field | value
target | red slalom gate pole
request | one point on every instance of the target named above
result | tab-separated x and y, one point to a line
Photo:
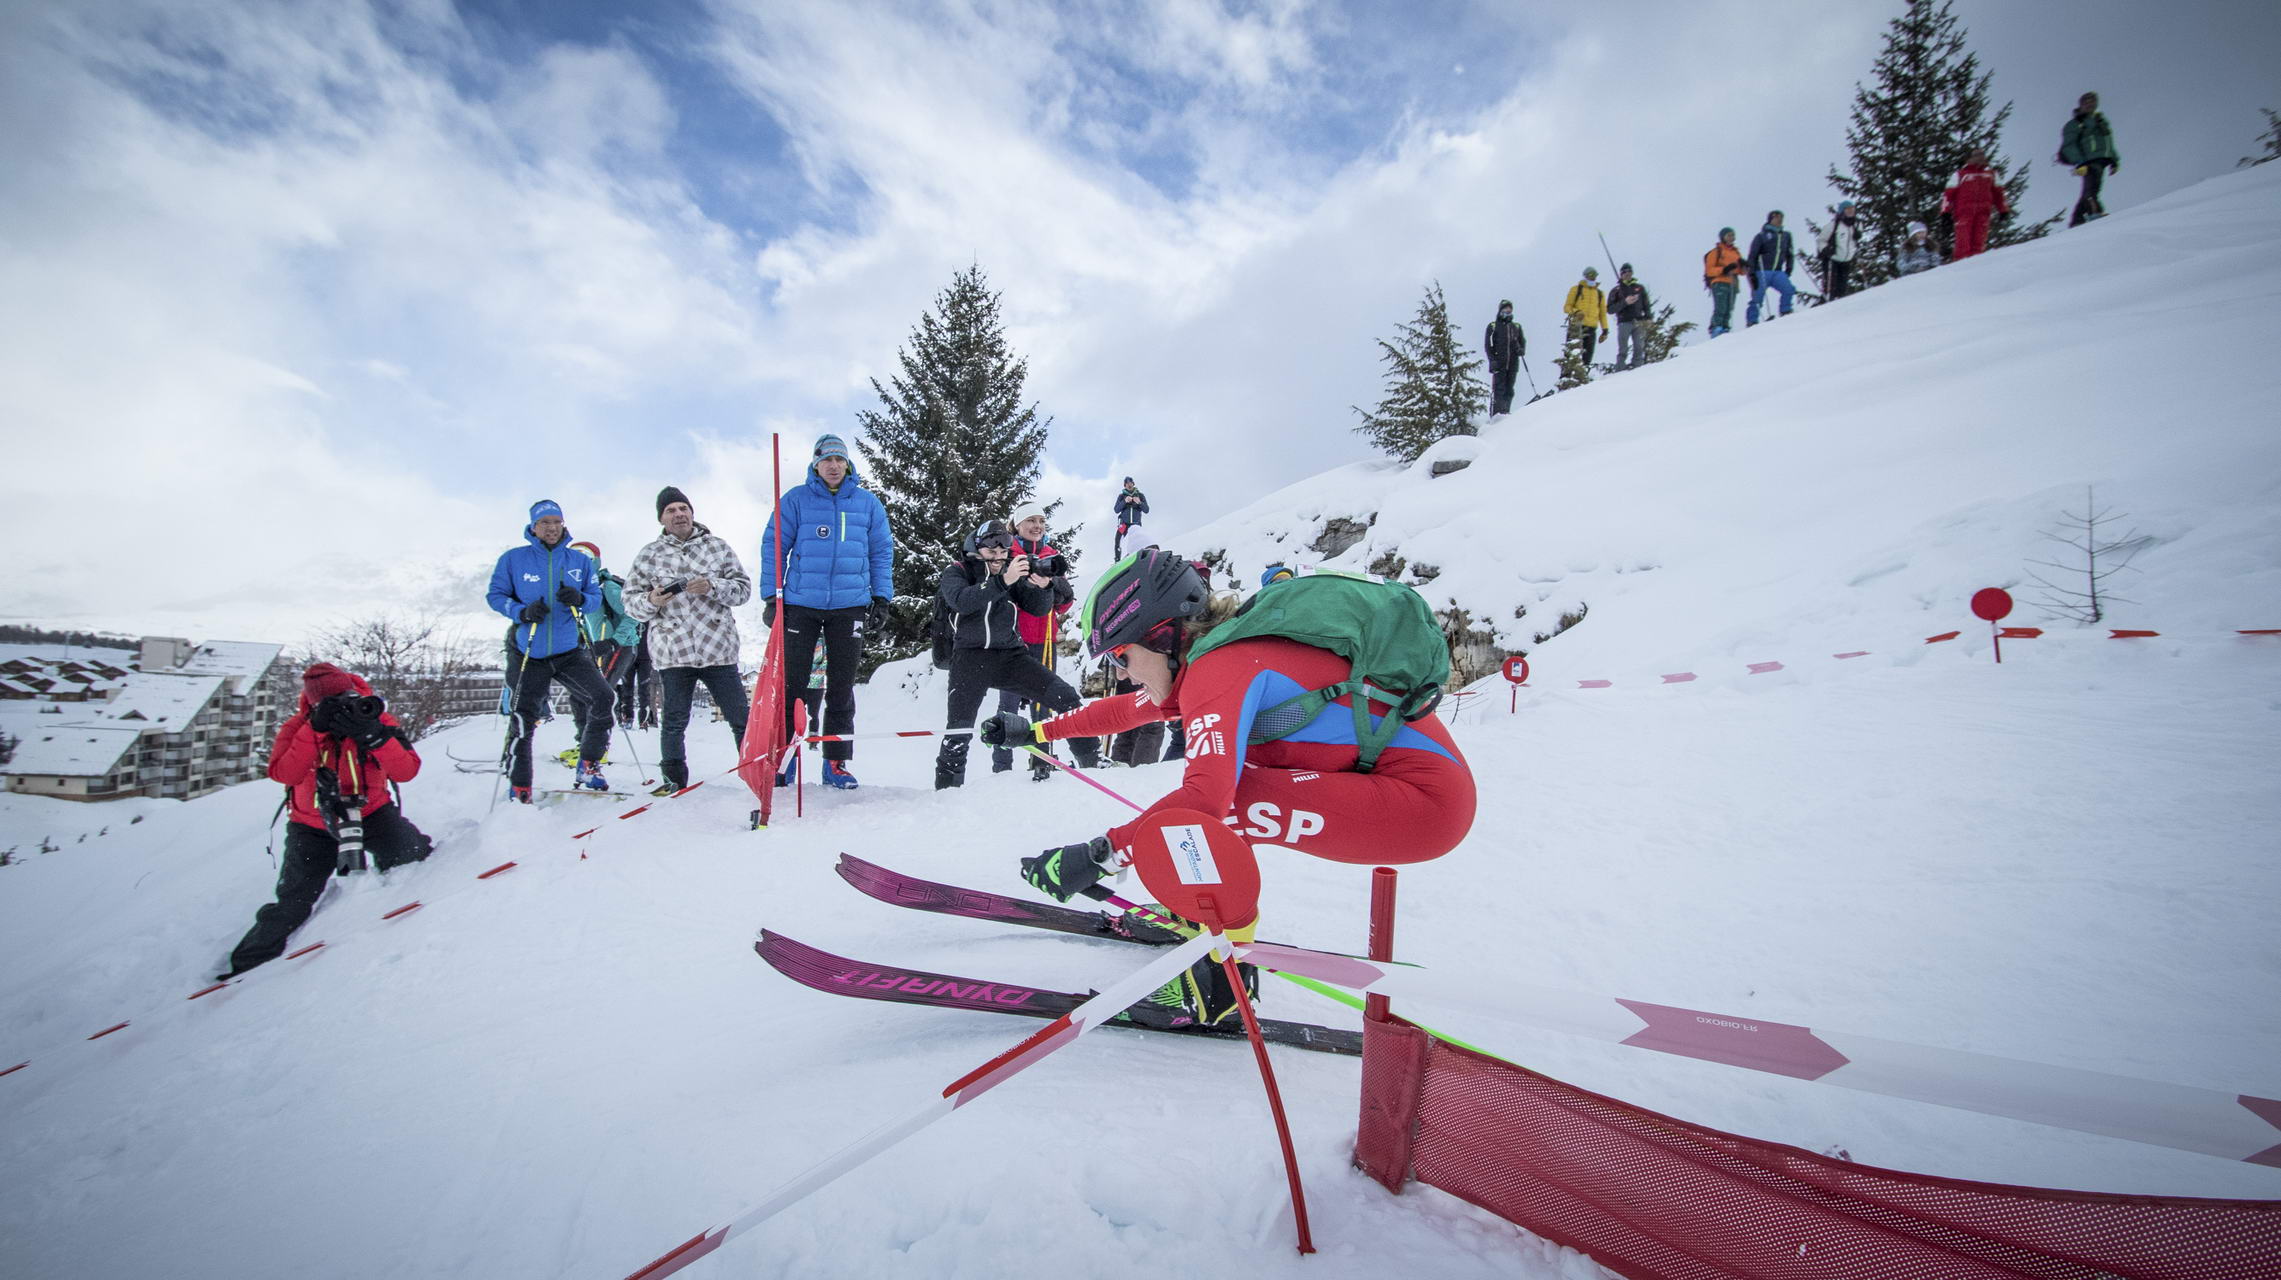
1376	1007
1274	1104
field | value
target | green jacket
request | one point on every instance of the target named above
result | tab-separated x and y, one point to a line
611	622
2087	138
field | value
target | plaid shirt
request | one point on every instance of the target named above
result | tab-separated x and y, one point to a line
691	630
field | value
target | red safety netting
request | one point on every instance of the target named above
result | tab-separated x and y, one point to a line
1655	1198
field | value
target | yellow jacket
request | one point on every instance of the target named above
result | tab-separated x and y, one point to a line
1587	305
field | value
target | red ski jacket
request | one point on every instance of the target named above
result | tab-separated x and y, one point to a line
1300	791
1974	193
1032	625
300	751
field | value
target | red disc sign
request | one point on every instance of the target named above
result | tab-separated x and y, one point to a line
1517	669
1991	603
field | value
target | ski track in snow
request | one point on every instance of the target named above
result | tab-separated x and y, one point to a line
572	1067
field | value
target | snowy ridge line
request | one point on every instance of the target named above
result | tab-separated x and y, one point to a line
1025	1053
2005	633
2241	1127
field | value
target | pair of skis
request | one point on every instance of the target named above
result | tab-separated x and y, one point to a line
838	975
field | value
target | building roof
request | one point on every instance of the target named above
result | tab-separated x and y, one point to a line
245	659
147	702
68	750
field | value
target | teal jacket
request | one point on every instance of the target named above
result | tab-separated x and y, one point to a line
2087	138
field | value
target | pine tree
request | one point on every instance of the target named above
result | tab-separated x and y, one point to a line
1432	389
1661	342
1913	131
1574	372
952	445
2270	140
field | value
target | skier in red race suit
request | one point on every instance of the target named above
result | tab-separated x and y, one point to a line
1302	791
1973	198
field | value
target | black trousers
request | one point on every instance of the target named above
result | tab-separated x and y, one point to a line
1501	390
973	674
842	630
1144	745
1002	759
727	688
1591	338
2087	204
589	694
390	840
633	679
1841	279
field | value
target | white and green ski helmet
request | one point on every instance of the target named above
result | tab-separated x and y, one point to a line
1143	592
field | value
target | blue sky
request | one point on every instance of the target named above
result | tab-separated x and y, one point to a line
335	290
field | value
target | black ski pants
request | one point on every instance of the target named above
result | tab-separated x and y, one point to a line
2087	204
1841	279
727	688
390	840
589	694
634	682
842	630
1501	389
973	674
1001	758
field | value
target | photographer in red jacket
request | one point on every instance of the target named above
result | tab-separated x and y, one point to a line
336	757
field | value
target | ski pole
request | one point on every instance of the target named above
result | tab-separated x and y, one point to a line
1533	392
1604	249
1102	1008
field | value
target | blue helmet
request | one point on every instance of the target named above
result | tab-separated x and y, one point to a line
1274	573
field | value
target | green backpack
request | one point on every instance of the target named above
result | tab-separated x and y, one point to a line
1385	629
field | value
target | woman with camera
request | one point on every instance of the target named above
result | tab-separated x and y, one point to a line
1036	628
984	595
336	757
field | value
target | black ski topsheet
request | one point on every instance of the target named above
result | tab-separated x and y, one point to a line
975	904
839	976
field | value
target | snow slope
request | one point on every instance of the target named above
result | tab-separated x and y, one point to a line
573	1066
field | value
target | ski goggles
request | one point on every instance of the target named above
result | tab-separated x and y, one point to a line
1162	638
998	541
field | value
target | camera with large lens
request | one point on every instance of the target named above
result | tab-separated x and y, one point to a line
1053	566
341	713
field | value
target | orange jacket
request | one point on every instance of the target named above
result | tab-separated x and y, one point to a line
1722	264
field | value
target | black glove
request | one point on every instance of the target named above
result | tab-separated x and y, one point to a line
371	734
570	596
877	618
1063	873
325	718
768	613
1007	728
535	611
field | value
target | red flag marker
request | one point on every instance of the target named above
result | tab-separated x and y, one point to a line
2125	635
1679	677
1761	668
1945	635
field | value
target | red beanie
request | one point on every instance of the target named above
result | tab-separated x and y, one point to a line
322	680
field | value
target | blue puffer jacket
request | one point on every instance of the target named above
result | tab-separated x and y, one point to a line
839	553
532	572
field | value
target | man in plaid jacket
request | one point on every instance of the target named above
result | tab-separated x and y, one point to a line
684	586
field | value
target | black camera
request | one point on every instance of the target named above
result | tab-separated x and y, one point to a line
675	587
1052	566
356	706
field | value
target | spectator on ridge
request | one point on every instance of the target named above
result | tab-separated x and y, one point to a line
1972	199
1722	266
1632	307
2089	145
1504	344
1772	256
1587	310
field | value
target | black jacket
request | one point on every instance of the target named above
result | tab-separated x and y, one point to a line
1772	250
1132	504
1504	344
1629	301
982	608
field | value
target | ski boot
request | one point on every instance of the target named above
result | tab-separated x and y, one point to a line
836	775
1202	996
519	795
590	776
789	771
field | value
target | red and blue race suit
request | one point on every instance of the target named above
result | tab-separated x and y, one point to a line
1300	792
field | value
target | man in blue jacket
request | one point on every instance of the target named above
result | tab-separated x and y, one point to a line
546	587
839	574
1772	255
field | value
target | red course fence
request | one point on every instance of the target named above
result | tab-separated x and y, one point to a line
1655	1198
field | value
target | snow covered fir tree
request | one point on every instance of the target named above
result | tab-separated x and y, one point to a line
1433	385
951	445
1575	370
1910	132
